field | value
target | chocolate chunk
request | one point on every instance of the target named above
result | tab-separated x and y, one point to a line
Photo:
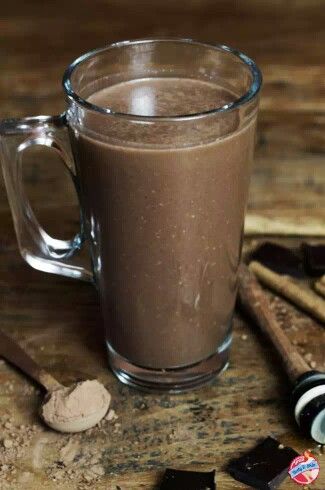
265	466
280	259
314	256
189	480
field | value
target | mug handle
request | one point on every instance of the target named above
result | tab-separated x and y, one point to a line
39	249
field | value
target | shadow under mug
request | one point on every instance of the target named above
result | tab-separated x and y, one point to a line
162	201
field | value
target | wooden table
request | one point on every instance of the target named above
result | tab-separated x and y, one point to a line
57	319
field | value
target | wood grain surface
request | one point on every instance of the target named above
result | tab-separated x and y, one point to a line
57	319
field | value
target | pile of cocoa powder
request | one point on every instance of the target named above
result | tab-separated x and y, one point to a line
15	441
22	445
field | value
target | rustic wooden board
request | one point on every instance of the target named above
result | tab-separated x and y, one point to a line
57	319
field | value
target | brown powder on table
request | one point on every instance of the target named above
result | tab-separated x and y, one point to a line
70	462
83	468
15	441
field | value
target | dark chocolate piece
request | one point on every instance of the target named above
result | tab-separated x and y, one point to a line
188	480
265	466
280	259
314	256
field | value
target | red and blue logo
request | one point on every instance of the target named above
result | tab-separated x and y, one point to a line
304	469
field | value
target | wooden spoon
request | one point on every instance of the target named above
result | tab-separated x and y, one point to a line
87	416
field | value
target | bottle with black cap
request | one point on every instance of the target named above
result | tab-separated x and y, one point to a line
308	400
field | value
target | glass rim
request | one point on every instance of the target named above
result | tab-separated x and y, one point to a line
250	94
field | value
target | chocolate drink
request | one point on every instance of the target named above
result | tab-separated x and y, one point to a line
166	223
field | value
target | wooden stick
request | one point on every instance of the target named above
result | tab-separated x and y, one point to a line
255	301
14	354
305	299
319	286
258	224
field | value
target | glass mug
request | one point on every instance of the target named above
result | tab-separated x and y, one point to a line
162	196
